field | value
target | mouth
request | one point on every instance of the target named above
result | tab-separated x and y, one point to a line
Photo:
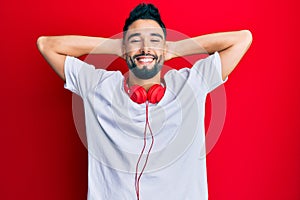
145	59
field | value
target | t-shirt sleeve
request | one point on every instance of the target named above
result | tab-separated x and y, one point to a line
80	76
209	72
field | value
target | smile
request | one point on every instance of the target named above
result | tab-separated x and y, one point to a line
144	59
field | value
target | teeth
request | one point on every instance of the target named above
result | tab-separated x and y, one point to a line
145	60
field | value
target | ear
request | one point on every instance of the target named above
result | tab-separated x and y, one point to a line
165	48
123	51
167	53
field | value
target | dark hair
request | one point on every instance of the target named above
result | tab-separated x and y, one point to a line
144	11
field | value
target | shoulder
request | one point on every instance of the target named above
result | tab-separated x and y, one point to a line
83	67
210	59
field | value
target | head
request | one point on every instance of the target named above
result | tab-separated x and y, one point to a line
144	41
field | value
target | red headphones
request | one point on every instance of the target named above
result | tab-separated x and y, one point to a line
139	95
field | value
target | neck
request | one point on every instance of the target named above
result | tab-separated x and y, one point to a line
146	84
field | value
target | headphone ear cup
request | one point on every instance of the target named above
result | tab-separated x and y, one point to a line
155	93
138	94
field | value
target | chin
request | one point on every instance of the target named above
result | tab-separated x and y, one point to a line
147	67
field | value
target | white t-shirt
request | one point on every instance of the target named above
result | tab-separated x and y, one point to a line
115	125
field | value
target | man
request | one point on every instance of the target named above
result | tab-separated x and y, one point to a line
145	133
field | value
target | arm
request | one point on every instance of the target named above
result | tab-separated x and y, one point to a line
231	45
56	48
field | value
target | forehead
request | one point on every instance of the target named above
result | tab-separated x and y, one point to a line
144	26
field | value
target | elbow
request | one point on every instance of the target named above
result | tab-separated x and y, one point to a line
46	43
247	37
42	43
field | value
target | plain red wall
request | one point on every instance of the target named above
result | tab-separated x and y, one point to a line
258	153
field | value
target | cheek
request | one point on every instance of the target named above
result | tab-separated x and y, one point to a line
161	49
132	47
131	50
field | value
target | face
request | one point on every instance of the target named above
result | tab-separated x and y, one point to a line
144	48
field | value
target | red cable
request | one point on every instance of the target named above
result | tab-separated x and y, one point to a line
137	179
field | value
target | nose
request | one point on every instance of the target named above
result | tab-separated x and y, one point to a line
145	46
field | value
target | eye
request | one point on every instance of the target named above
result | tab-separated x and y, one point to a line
135	40
155	40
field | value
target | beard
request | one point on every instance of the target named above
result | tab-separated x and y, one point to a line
144	73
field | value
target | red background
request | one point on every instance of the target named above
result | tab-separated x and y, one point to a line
258	153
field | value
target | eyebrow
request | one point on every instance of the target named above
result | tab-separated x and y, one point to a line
139	34
157	34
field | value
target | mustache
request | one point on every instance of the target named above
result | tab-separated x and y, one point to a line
145	54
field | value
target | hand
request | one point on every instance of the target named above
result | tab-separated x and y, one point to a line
119	47
170	50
